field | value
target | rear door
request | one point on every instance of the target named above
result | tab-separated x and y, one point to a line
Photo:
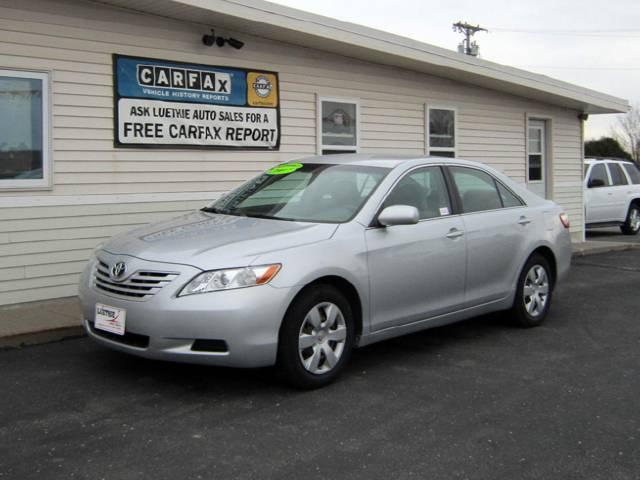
417	271
496	224
619	189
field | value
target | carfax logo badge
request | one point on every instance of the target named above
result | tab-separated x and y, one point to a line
262	89
183	78
262	86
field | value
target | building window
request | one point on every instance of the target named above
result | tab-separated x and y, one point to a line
536	151
338	126
24	129
441	132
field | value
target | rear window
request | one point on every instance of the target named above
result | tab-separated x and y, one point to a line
634	173
617	175
477	190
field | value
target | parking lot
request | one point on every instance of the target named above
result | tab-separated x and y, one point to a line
477	400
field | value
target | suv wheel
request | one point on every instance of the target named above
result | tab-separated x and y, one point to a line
632	225
316	338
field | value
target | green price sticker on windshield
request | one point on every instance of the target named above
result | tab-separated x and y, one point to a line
284	169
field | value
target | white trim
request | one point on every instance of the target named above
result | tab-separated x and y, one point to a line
62	200
319	145
428	148
43	183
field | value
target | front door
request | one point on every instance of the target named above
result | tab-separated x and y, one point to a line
537	167
417	271
599	195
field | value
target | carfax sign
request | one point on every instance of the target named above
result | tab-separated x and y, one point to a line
182	105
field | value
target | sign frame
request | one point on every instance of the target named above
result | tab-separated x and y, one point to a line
172	146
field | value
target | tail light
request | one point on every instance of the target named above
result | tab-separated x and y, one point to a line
564	219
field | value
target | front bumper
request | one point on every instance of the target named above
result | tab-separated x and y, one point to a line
165	327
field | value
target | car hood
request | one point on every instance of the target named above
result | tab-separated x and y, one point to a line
207	240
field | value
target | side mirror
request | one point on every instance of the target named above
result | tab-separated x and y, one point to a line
398	215
595	182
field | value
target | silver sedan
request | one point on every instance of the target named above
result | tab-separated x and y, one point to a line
312	258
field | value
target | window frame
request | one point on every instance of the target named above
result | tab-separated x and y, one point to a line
320	146
429	150
43	183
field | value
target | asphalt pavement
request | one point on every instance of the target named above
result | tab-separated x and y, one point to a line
476	400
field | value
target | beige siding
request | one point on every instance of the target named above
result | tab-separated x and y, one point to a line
98	191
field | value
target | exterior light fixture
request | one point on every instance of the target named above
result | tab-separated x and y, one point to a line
210	40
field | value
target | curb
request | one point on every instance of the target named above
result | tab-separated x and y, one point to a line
586	251
43	336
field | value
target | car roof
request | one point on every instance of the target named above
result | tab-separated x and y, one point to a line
383	160
604	159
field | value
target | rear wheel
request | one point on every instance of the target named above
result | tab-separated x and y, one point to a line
316	338
632	225
534	292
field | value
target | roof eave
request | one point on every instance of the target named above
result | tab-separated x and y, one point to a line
277	22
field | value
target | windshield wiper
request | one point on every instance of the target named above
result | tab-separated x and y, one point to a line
214	210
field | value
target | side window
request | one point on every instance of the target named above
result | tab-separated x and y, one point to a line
477	190
633	172
424	189
338	126
508	198
617	175
24	129
598	177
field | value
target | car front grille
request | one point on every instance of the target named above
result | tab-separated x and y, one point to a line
141	285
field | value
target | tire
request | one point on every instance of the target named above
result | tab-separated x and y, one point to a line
631	225
530	308
316	338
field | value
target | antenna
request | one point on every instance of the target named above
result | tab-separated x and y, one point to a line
467	46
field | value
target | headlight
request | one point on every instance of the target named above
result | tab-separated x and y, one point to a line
228	279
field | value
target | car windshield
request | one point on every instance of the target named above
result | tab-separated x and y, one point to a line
324	193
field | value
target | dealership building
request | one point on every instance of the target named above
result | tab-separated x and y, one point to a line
117	113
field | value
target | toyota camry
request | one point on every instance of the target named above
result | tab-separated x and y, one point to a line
312	258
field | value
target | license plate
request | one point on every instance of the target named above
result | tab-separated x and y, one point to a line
110	319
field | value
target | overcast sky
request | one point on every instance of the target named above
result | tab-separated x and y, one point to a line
590	43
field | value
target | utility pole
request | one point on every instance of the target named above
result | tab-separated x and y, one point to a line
467	46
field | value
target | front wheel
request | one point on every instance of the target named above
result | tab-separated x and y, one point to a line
316	338
632	225
534	292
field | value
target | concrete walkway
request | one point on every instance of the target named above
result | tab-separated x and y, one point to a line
40	322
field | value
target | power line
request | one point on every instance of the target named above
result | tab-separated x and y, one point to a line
614	33
576	68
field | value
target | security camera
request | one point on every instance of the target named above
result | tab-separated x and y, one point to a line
235	43
209	40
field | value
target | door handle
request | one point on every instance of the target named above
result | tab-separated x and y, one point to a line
454	233
524	221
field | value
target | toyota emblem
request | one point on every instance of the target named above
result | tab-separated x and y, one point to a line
118	269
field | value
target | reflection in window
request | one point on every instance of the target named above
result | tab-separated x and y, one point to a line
338	120
442	139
